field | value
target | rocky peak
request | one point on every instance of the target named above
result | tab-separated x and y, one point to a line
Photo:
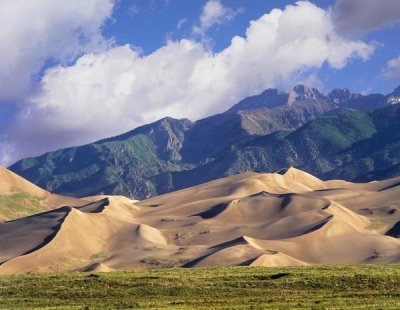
340	96
269	98
167	134
302	92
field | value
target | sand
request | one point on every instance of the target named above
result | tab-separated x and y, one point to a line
253	219
11	184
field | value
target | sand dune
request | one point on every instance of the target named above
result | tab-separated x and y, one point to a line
276	259
19	197
256	219
11	183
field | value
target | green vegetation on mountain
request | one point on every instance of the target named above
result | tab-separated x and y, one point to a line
349	145
316	287
314	134
143	162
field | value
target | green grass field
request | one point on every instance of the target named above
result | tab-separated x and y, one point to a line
19	205
333	287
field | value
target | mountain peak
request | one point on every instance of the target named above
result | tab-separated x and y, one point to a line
269	98
342	95
273	97
301	92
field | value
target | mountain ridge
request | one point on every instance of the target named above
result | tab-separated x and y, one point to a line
155	158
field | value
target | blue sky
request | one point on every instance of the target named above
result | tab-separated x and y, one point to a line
150	23
72	72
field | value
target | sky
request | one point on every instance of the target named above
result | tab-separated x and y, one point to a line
73	72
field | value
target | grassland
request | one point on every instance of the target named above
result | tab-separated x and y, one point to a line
19	204
318	287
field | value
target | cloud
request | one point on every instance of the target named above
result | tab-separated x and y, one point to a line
108	92
36	31
361	16
392	69
214	13
133	10
180	23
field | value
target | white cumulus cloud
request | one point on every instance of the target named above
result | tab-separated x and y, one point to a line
36	31
214	13
106	93
392	69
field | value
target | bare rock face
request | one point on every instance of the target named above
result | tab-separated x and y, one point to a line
270	98
301	92
342	96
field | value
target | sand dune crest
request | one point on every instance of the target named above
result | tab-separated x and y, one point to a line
257	219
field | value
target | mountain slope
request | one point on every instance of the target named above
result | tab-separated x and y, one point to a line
123	164
350	145
171	154
269	98
141	163
376	157
211	136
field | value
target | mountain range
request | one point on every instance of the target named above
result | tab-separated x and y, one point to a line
339	135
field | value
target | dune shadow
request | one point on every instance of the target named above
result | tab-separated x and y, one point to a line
247	262
213	211
263	193
287	199
64	211
94	207
194	262
389	187
60	209
318	225
236	241
394	231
